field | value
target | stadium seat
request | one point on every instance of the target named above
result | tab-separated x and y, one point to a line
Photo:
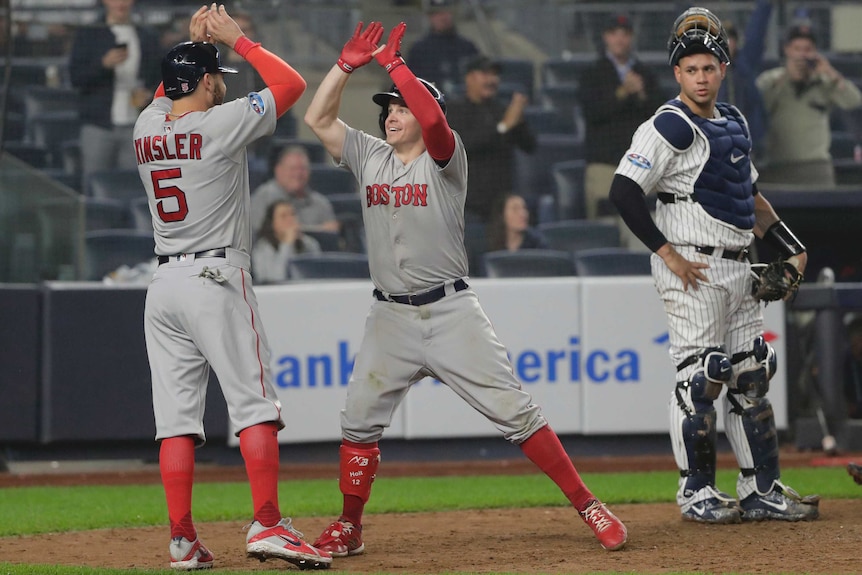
517	71
329	241
51	130
533	177
107	250
612	262
576	235
528	263
116	184
569	195
139	214
42	99
549	121
328	179
560	72
476	244
104	214
329	265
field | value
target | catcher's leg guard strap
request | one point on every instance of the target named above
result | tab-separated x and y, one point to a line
753	375
693	438
358	469
750	427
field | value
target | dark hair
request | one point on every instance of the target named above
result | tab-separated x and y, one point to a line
268	234
496	230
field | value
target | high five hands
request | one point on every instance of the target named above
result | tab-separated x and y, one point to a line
213	24
362	47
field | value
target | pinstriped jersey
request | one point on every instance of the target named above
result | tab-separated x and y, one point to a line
195	171
656	164
413	213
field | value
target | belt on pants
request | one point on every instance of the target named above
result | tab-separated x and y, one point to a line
423	298
216	253
723	253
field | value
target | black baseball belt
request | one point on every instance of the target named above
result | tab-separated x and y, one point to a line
725	254
423	298
216	253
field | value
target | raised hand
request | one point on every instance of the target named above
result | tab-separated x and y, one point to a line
390	55
198	25
359	50
221	27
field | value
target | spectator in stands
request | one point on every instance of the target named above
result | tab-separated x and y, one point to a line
799	97
440	55
617	93
279	239
290	182
491	131
510	227
746	62
115	65
853	369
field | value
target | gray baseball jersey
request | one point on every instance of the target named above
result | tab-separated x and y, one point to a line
414	221
195	172
201	310
414	214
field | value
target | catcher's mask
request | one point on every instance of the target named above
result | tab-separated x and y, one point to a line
382	99
697	31
185	65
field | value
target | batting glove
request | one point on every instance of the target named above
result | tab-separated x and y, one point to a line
390	57
357	51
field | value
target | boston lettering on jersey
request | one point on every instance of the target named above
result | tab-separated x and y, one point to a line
406	195
173	146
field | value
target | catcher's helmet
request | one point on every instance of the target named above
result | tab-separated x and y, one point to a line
185	65
382	100
698	31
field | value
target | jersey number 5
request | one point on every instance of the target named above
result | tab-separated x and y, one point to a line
162	191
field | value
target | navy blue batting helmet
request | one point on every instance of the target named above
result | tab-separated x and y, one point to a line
697	31
382	100
185	65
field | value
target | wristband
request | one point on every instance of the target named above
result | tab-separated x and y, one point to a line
782	239
394	63
345	66
243	45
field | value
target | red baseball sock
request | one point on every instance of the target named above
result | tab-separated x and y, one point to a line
177	466
259	447
354	503
545	450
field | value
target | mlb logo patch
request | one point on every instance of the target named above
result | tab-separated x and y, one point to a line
639	161
256	103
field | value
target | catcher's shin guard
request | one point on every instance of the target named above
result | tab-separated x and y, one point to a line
358	469
750	428
693	438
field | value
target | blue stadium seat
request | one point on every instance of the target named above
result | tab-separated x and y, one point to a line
528	263
107	250
569	195
329	265
612	262
576	235
329	241
328	179
119	184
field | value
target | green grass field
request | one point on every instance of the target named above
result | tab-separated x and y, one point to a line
23	509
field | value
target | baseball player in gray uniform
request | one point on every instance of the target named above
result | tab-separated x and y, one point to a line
201	309
425	319
695	153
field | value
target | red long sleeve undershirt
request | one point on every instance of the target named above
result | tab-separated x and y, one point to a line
284	82
438	136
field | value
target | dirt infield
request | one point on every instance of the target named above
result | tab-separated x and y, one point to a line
542	540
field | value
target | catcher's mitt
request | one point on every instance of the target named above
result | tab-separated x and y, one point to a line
855	471
774	281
